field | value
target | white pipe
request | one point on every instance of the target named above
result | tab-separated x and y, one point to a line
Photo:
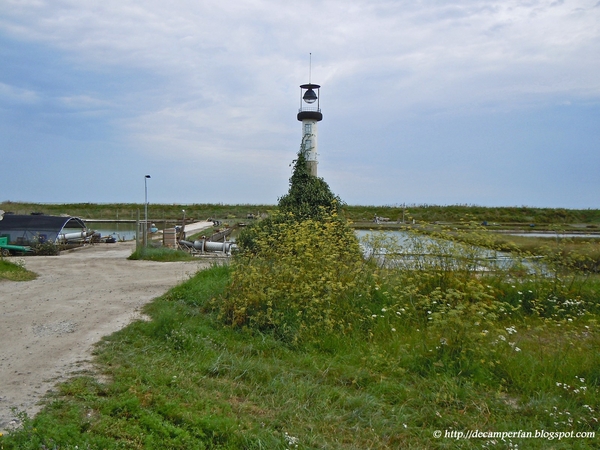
212	247
73	236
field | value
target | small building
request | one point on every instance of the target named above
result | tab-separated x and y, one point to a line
21	229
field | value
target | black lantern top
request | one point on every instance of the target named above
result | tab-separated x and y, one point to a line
310	97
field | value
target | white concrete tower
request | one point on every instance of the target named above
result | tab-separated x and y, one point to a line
310	115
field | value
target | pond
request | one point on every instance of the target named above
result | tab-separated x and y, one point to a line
405	250
121	231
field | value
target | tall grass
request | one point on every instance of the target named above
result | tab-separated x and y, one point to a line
582	253
448	347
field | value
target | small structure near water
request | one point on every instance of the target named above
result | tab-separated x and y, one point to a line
34	229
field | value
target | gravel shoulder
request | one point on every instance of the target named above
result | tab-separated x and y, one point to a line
48	326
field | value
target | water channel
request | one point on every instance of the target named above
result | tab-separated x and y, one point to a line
121	231
409	251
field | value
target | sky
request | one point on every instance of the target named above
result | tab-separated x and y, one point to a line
477	102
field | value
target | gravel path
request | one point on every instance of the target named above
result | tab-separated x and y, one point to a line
49	325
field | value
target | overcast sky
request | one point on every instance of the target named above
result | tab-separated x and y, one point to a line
493	103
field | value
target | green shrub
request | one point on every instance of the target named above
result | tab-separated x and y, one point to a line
302	279
309	197
46	248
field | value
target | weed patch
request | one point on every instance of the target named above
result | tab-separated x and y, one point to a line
160	254
15	271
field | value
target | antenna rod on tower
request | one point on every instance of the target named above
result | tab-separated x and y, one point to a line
309	66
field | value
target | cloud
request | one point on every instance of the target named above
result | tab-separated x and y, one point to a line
216	83
13	94
427	52
84	102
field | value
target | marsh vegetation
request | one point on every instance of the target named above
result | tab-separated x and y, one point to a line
245	356
303	342
496	217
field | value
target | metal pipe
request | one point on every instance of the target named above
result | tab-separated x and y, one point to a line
73	236
214	247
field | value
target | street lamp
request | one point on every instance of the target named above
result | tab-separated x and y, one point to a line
182	231
146	210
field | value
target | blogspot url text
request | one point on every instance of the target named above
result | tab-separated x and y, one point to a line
521	434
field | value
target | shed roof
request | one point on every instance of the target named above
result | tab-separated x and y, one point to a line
36	222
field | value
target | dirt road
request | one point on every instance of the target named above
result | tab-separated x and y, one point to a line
48	326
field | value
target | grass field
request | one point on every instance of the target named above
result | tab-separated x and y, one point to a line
420	357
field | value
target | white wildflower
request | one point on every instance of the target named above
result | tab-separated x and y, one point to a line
291	440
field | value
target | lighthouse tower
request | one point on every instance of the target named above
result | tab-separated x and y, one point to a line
310	115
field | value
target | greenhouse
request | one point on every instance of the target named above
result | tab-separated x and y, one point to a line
38	228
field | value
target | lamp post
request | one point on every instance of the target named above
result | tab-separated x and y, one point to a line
146	210
182	231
